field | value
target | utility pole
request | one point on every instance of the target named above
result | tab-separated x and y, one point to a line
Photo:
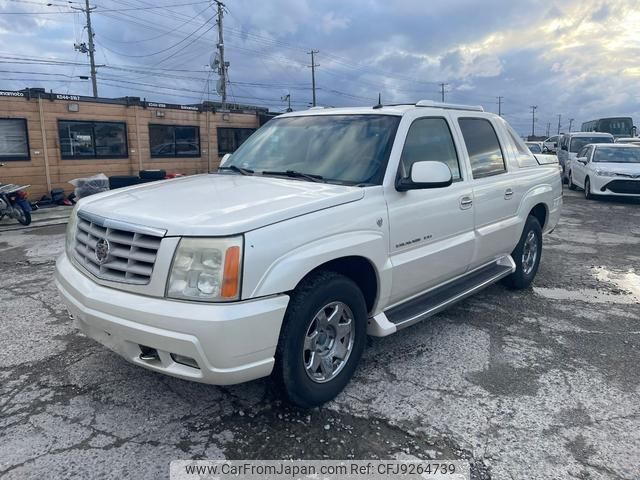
570	124
548	128
533	120
442	85
313	74
222	69
81	47
287	98
499	106
559	118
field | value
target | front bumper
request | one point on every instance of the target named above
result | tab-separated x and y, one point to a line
231	343
615	186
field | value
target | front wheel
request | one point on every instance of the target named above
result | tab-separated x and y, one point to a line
322	339
587	189
527	255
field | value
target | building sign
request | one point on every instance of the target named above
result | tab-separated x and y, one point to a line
128	101
75	98
5	93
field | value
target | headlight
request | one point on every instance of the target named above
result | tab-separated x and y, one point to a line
605	173
70	240
206	269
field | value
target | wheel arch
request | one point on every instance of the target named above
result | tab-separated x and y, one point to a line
541	212
357	268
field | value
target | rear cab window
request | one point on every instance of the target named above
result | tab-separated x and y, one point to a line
519	149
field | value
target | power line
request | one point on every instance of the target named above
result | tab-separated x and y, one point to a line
163	7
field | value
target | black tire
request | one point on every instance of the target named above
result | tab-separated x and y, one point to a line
520	278
571	184
315	292
587	189
25	217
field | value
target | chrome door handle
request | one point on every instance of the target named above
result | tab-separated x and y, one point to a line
466	202
508	194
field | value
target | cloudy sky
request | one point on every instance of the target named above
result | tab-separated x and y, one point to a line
578	59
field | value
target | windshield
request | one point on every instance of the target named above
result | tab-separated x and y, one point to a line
351	149
578	142
616	126
617	155
534	147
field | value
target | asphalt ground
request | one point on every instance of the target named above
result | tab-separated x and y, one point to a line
535	384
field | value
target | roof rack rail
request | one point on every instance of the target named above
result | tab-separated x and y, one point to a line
449	106
318	107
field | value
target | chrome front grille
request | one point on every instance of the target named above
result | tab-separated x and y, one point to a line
130	255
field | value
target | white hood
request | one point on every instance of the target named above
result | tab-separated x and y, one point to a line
217	204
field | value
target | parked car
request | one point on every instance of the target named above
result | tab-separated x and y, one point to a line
325	225
551	144
633	140
572	143
534	147
601	169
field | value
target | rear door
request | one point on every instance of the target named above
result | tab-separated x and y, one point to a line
496	192
431	230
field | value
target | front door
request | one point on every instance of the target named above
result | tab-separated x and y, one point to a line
578	169
431	230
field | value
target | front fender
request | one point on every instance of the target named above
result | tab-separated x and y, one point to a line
286	271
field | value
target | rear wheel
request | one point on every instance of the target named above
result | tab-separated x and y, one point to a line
527	255
322	339
587	189
22	215
571	184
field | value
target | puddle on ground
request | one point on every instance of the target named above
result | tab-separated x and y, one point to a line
626	289
589	295
627	281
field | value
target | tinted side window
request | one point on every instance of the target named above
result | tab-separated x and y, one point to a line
483	147
429	139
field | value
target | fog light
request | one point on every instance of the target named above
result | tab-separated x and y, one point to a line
182	360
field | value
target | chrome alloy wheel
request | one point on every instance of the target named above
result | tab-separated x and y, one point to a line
328	342
529	252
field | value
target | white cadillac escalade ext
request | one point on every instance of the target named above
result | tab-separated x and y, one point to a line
324	226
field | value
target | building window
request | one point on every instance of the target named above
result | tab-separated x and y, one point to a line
174	141
483	147
14	139
229	139
89	140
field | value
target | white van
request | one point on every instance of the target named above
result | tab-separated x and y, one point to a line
572	143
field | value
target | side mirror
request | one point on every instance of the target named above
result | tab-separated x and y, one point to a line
565	148
226	157
426	175
582	160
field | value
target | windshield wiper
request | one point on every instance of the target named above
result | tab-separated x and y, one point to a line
234	168
295	174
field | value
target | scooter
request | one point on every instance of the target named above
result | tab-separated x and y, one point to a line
14	203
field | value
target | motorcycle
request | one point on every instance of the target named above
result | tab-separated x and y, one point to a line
14	203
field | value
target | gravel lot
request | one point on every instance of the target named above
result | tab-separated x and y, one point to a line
542	383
